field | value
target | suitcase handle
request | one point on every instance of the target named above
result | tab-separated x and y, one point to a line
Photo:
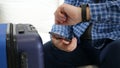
21	29
32	28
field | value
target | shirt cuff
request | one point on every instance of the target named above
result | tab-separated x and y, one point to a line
98	12
79	29
71	2
62	30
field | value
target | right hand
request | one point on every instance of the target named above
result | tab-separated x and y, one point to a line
65	45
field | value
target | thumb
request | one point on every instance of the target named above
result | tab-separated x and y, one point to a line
74	41
72	45
66	42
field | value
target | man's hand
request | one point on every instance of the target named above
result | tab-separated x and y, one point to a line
65	45
67	15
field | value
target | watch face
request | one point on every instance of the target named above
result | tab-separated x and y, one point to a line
57	36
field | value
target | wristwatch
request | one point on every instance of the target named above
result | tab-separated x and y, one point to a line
83	13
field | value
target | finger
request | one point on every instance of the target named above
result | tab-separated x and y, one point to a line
56	41
59	13
72	46
62	18
68	22
59	17
66	42
59	20
62	15
74	41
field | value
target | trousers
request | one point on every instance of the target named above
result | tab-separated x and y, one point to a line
108	56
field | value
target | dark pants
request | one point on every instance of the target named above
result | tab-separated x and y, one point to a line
85	54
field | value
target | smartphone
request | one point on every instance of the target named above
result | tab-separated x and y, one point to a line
57	36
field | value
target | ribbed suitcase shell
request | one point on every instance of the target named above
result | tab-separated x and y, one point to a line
20	47
29	46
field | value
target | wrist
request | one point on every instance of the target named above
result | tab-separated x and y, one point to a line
80	16
88	13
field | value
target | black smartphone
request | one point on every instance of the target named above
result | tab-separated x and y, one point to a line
57	36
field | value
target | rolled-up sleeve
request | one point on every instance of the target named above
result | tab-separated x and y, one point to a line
105	12
71	2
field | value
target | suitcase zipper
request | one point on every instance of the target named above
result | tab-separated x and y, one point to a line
11	48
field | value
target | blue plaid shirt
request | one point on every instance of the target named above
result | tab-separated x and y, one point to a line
105	19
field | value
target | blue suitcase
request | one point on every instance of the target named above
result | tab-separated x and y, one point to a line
8	55
21	47
3	55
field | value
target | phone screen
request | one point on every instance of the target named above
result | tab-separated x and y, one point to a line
59	36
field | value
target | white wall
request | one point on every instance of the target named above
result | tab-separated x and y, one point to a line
39	13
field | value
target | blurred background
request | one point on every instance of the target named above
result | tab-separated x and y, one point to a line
39	13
